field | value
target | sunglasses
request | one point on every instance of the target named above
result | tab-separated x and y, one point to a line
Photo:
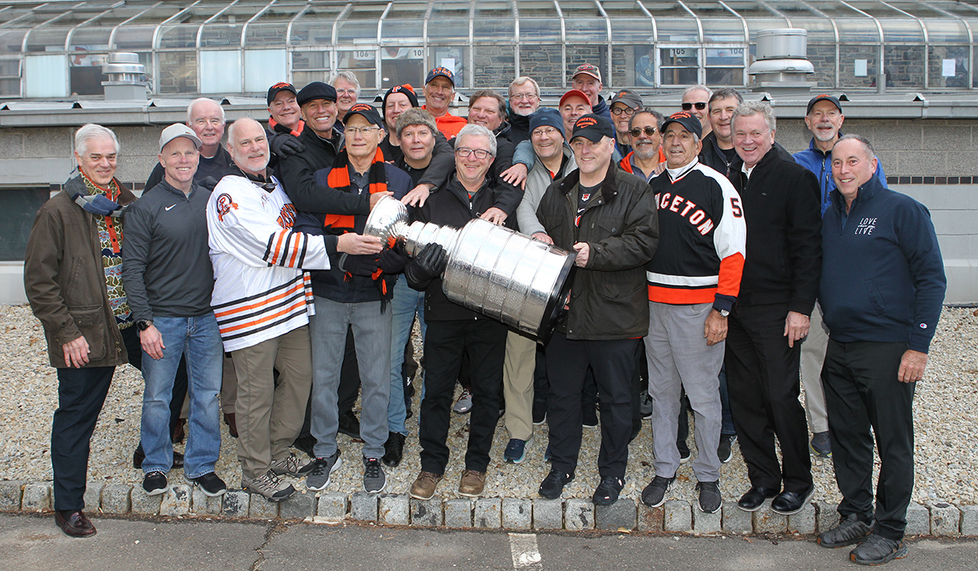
649	131
699	106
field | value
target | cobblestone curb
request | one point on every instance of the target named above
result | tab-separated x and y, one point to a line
937	520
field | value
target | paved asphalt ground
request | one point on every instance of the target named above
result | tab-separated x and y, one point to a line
34	542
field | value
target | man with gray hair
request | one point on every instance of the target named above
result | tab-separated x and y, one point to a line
73	280
347	93
524	100
206	117
771	318
696	100
454	331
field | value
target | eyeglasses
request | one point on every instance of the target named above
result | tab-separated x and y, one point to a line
649	131
621	110
346	91
480	154
699	106
522	96
543	132
360	130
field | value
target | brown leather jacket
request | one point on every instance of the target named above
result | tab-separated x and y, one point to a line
65	279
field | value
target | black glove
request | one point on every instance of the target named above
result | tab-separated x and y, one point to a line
207	182
392	262
359	265
428	264
285	145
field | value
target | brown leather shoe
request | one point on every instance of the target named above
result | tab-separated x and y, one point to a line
229	419
423	488
471	484
74	524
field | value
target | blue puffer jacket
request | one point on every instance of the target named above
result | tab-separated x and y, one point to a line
821	164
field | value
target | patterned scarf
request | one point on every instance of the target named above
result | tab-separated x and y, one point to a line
110	238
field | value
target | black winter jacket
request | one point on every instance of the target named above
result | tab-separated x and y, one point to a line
609	297
784	233
297	174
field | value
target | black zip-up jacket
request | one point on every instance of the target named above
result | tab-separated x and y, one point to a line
334	283
784	233
298	177
609	297
166	267
451	206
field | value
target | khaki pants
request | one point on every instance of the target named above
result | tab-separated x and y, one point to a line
518	369
812	358
269	418
229	386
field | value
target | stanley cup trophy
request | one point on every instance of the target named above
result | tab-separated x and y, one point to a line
496	271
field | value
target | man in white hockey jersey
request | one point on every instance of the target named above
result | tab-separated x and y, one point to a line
693	279
262	300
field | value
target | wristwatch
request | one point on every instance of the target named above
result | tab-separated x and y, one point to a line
722	312
143	324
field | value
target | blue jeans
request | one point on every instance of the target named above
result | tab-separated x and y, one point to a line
197	338
372	335
405	303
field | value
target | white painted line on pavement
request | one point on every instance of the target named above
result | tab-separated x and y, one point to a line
525	552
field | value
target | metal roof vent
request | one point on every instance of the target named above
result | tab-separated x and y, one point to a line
782	65
126	77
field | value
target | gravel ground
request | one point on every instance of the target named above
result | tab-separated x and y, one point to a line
946	426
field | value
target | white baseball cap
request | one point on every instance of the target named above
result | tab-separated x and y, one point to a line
176	131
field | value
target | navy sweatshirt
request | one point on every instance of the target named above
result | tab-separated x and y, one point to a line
882	271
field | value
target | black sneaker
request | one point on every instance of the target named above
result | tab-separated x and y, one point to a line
210	484
654	495
850	530
374	479
710	498
393	449
877	550
684	452
607	491
725	449
155	483
553	484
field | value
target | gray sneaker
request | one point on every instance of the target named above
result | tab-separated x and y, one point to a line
290	466
318	477
269	485
374	480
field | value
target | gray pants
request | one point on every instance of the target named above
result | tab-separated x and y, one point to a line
372	337
679	358
812	358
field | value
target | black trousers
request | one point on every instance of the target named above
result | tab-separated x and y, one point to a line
613	363
81	394
764	384
862	393
483	341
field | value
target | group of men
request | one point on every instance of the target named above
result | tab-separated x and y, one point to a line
695	232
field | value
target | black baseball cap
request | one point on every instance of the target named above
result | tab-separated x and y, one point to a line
367	111
440	72
277	88
687	120
824	97
316	90
593	128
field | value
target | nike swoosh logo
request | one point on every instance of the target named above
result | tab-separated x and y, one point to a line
168	208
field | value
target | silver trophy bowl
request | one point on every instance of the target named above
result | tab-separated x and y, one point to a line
498	272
